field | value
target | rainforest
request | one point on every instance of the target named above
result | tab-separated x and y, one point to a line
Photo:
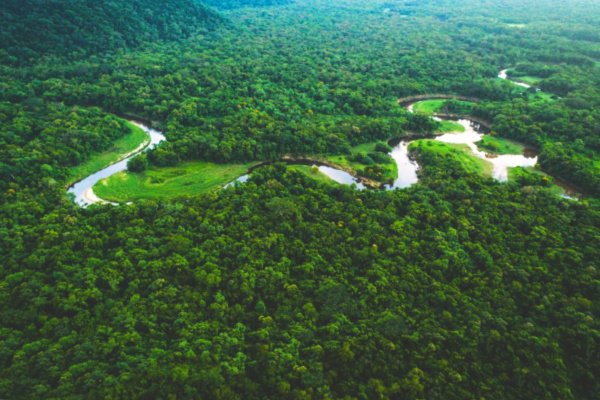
300	199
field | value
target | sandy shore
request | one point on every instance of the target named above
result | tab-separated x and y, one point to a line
90	197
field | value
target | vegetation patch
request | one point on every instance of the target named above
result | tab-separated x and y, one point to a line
312	172
499	145
447	106
541	96
120	150
428	106
167	183
450	126
530	176
458	151
530	80
365	157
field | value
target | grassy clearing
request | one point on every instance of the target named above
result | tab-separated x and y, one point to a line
167	183
428	106
450	126
520	172
310	172
499	145
528	79
533	81
542	96
460	152
346	161
119	150
518	26
435	106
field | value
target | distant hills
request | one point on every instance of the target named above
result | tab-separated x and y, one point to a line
74	28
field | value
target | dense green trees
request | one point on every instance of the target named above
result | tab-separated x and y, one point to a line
283	288
460	287
74	29
232	4
138	163
40	141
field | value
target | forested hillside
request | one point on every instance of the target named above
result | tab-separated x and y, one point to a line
76	28
232	4
292	286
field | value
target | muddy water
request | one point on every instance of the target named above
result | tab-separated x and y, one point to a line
407	168
500	163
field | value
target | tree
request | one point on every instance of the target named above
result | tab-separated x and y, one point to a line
138	163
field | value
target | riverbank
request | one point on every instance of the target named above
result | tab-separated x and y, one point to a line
90	197
115	184
193	178
370	183
460	152
405	101
122	148
80	189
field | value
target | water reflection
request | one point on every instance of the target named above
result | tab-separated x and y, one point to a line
407	168
241	179
340	176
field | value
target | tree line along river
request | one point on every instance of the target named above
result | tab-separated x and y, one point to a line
407	167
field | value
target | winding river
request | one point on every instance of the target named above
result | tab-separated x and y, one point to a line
333	173
503	75
84	194
407	167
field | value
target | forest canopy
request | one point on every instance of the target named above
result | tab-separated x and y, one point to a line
31	29
291	286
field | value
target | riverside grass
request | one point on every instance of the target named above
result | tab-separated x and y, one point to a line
120	149
190	178
498	145
459	151
345	161
516	172
313	173
430	107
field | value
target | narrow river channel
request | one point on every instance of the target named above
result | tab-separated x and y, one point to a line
335	174
407	167
503	75
84	194
473	132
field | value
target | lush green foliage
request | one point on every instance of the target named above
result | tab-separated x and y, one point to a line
77	28
311	287
43	140
461	154
138	163
120	148
232	4
290	287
